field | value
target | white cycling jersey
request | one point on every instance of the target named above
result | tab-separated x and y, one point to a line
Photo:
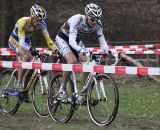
76	26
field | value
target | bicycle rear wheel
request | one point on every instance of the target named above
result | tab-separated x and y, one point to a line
103	110
40	93
60	111
9	97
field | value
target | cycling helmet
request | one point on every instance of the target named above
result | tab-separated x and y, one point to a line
93	10
38	12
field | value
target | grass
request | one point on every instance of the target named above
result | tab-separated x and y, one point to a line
140	102
139	97
138	109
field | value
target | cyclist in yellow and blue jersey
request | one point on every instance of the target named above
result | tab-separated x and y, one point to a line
20	38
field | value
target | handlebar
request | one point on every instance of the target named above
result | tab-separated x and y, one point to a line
93	56
42	57
98	57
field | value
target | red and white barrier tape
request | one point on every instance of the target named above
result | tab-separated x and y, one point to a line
133	52
82	68
90	48
157	51
129	47
7	53
137	46
8	49
111	47
12	53
98	52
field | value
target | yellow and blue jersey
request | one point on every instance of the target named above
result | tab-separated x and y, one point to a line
23	30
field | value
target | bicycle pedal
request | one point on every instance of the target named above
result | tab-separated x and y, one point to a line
74	102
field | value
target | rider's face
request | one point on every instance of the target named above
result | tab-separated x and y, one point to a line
36	21
92	21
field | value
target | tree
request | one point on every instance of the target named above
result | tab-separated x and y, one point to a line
3	22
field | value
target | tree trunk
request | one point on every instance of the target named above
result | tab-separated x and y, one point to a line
3	21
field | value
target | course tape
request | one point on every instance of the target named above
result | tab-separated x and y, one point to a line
157	51
131	47
133	52
82	68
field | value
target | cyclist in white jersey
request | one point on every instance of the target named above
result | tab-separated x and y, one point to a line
68	39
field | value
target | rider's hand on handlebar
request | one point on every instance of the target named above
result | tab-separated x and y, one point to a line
83	51
34	52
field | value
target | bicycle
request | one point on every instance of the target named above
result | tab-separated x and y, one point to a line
101	92
11	98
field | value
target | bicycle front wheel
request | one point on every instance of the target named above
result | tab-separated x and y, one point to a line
60	111
103	100
40	93
9	97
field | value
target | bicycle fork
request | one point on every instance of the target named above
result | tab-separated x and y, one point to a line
100	88
43	79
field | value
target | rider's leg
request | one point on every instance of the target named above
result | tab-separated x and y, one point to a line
67	53
83	58
24	56
71	59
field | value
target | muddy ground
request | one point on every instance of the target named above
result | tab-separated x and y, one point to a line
24	121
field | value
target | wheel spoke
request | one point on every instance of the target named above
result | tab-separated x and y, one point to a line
9	97
59	111
104	112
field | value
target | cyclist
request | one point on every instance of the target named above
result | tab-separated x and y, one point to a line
20	38
68	39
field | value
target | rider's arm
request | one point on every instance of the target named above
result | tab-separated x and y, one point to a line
49	41
72	40
21	34
103	43
73	33
101	38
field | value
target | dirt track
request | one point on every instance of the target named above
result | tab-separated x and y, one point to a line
23	121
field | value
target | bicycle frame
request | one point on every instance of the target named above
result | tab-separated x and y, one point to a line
32	79
90	78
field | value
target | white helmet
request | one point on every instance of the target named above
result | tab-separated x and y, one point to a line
38	12
93	10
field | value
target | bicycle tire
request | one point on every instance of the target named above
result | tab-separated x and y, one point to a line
103	111
9	103
59	111
39	99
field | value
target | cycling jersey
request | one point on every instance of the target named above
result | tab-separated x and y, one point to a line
76	26
20	37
